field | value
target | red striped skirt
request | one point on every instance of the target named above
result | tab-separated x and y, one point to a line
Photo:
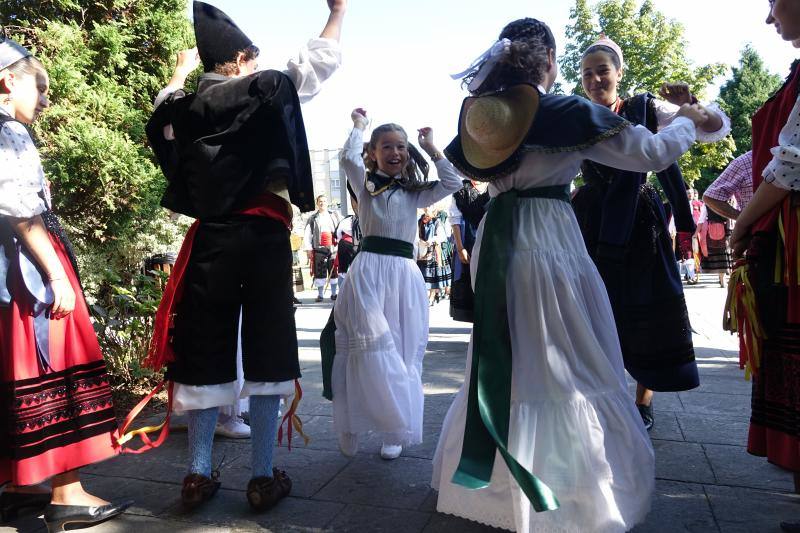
775	420
58	420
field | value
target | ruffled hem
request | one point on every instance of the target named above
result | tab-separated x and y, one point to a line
592	451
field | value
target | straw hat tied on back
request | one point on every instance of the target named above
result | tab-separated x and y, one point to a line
492	127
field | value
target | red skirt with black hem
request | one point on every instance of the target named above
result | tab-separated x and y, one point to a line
58	420
775	420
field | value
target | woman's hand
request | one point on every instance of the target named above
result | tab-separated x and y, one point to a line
740	240
694	112
337	5
677	93
425	139
63	298
463	256
359	116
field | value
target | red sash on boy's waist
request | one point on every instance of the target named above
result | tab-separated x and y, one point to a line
161	352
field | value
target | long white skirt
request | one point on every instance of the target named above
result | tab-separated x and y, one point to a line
572	422
381	333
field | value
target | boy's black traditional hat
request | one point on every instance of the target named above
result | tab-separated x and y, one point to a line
10	52
218	38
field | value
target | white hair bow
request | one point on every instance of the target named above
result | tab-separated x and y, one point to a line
491	56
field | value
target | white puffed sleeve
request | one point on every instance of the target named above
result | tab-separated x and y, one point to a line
23	190
317	61
784	169
666	113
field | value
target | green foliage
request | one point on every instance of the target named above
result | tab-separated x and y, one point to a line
654	48
106	62
107	59
741	96
126	325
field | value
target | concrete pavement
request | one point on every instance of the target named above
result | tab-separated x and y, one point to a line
706	482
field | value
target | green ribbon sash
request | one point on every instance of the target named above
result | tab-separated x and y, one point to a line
489	400
327	339
386	246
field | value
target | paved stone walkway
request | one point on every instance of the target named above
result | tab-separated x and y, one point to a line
706	482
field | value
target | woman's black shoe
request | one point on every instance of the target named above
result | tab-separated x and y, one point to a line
11	503
790	527
646	412
59	517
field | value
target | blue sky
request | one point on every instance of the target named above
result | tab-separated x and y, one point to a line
397	55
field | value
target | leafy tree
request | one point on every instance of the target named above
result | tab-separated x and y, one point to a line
654	48
106	60
750	86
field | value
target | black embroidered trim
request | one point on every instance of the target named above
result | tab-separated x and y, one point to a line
65	439
102	412
30	398
53	410
775	400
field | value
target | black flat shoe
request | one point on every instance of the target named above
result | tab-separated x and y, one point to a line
646	412
59	517
11	503
790	527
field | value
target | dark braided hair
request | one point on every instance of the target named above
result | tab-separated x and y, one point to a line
526	62
415	173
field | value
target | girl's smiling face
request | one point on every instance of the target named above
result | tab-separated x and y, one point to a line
390	153
600	78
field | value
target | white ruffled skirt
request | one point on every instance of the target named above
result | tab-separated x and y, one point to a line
572	422
381	332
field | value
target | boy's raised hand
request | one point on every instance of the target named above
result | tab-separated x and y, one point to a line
188	61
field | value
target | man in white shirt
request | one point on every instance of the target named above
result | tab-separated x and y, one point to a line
320	245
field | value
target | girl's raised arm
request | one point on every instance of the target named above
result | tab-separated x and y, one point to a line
449	179
351	158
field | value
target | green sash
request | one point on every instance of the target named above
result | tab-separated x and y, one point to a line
489	400
385	246
327	339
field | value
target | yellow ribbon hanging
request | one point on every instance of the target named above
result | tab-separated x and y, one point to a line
121	441
741	315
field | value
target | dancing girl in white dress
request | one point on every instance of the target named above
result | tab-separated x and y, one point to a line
545	389
381	316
